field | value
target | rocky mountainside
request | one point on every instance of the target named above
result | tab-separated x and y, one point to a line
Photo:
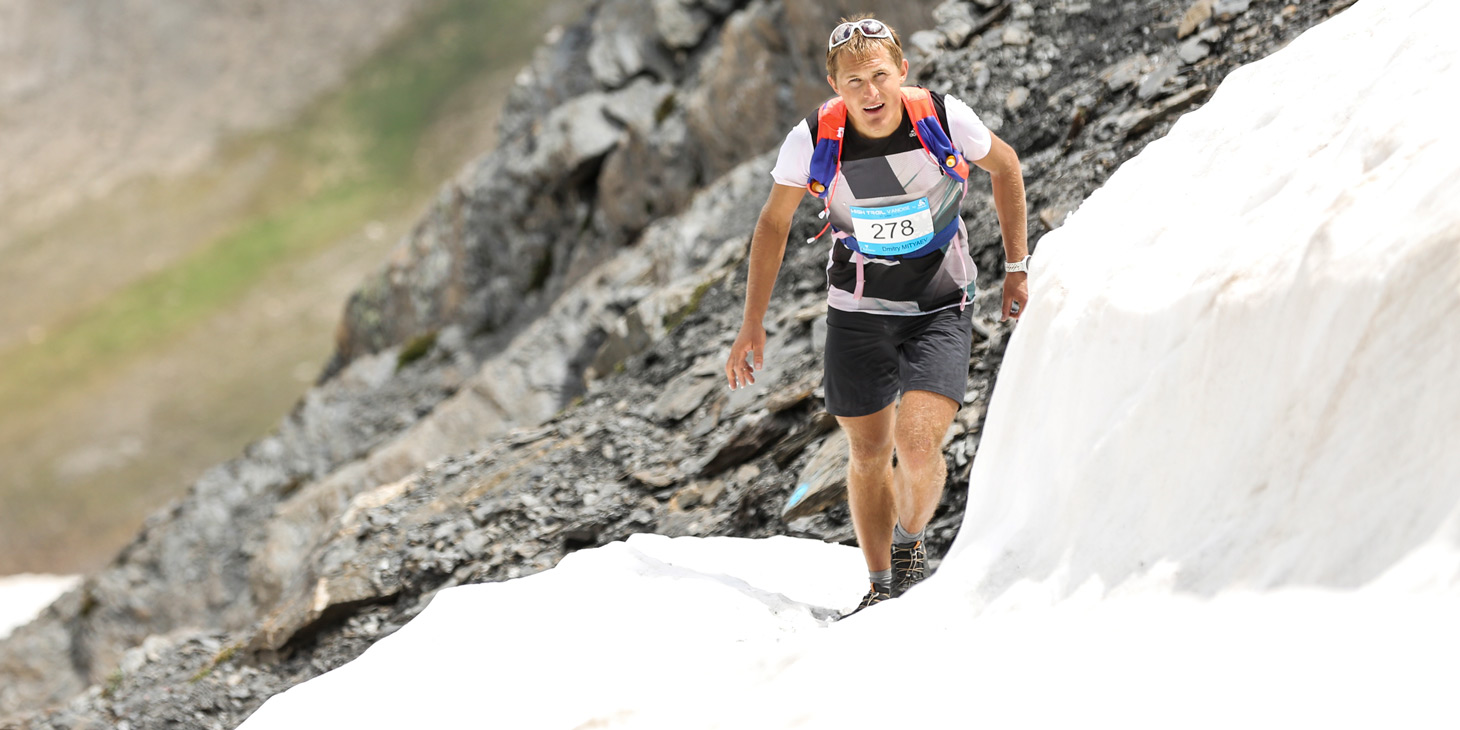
538	368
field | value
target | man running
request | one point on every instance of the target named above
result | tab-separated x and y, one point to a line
891	162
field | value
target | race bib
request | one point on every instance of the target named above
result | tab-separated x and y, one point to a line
893	230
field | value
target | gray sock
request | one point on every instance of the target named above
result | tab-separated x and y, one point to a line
903	537
882	579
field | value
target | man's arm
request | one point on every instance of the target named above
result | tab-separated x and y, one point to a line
767	249
1002	164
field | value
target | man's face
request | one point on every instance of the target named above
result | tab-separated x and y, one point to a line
870	88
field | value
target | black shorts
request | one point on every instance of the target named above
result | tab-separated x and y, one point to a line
873	358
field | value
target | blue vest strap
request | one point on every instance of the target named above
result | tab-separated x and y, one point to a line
939	240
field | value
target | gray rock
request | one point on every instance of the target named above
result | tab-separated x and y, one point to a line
683	396
1016	98
1199	12
925	43
1126	71
345	581
687	498
751	435
620	49
1054	216
952	11
1193	50
708	419
573	135
1141	120
638	106
1154	83
558	72
658	478
1016	34
788	398
681	23
644	178
711	492
955	21
982	75
475	543
626	336
747	97
823	482
1228	10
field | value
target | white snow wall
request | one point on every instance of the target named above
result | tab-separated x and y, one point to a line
1239	366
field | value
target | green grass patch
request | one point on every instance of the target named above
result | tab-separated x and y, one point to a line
348	160
221	657
155	309
376	149
665	108
416	349
676	318
400	92
113	683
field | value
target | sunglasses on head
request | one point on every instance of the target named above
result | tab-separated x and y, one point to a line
869	28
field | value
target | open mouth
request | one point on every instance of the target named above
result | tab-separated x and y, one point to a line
874	108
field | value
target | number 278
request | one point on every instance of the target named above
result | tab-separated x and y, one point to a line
894	228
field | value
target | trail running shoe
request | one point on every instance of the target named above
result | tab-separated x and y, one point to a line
909	567
874	596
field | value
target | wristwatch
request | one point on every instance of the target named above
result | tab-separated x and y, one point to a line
1017	266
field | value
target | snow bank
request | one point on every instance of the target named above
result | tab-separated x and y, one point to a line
1239	370
24	596
1219	483
606	632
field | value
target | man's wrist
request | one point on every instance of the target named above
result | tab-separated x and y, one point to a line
1017	267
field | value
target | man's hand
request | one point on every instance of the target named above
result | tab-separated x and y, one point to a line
751	340
767	248
1007	178
1016	292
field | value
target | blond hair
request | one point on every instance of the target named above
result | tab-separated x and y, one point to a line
860	47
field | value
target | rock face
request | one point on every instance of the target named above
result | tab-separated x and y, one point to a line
608	129
567	303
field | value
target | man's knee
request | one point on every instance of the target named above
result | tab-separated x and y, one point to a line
869	451
870	439
920	453
920	431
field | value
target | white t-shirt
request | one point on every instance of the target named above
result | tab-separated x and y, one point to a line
880	174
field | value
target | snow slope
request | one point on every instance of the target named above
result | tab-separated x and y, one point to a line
1219	483
24	596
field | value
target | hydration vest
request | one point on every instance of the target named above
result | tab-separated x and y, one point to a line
826	161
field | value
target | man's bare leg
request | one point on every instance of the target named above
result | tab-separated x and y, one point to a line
923	419
869	484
